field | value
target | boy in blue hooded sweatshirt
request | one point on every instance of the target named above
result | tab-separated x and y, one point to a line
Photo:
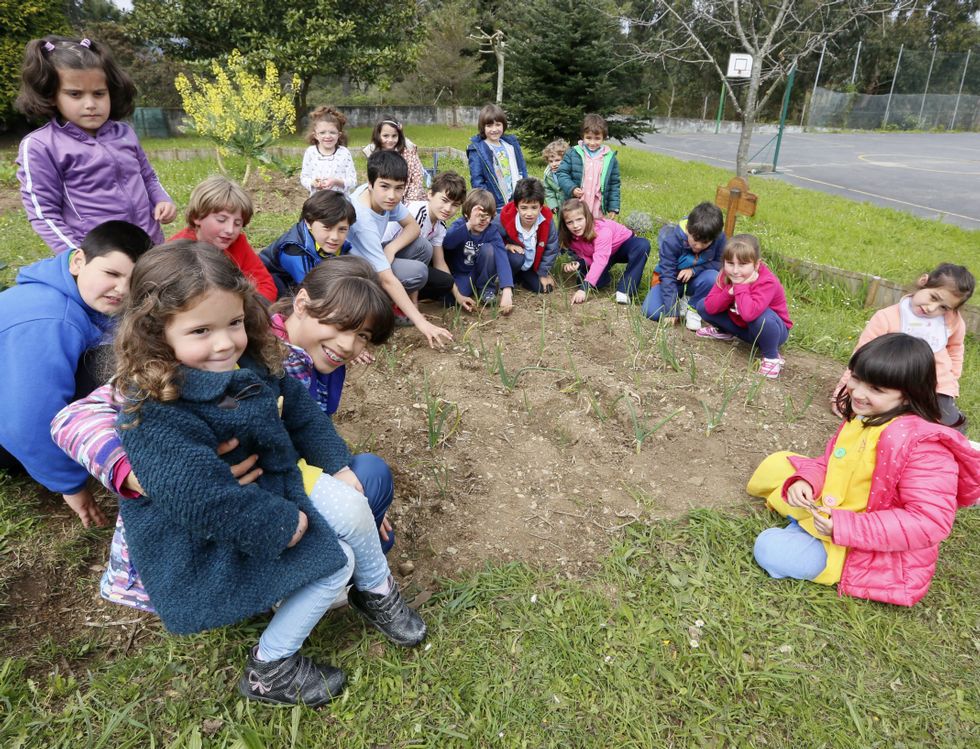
51	324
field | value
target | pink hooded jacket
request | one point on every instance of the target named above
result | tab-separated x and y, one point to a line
922	472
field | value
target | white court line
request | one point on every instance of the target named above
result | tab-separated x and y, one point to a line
691	153
885	197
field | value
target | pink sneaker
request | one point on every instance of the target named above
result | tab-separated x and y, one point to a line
771	368
710	331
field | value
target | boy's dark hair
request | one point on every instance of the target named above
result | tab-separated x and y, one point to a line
387	165
329	207
39	78
451	185
595	123
116	236
705	222
529	190
900	362
955	278
482	198
489	114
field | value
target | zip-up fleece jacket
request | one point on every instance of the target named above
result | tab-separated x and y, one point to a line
482	174
244	256
292	256
572	169
546	249
923	472
675	255
71	182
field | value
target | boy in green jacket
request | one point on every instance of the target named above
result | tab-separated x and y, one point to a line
590	170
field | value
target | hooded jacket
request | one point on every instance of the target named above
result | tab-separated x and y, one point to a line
572	169
546	249
45	330
292	256
482	174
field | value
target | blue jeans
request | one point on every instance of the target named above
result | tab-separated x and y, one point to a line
767	332
379	488
634	252
695	290
790	552
482	277
529	278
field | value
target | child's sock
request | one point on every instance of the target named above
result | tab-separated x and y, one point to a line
383	589
259	655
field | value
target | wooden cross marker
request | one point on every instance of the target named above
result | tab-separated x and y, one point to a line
735	200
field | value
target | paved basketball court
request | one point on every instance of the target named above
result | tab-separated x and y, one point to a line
934	175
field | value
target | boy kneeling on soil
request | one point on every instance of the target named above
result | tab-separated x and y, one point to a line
527	228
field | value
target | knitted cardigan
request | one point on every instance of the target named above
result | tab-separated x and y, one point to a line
212	552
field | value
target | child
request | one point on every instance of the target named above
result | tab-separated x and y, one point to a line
599	244
321	318
197	364
748	302
444	199
85	166
475	254
689	261
932	314
402	264
218	211
590	171
320	233
51	324
529	235
553	153
327	164
496	160
388	135
871	512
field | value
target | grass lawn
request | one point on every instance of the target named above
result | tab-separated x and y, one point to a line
677	639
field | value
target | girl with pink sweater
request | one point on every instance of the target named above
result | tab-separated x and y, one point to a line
870	513
598	244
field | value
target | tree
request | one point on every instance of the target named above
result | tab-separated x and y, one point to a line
448	63
777	33
567	61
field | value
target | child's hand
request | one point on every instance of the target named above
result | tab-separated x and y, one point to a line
466	302
683	276
434	334
477	216
578	297
613	215
571	267
245	472
577	192
83	503
822	522
385	528
350	478
301	527
164	212
799	494
365	357
547	284
506	301
515	248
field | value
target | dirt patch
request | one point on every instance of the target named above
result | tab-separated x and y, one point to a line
274	192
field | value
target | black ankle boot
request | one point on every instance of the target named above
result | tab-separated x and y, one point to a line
390	615
291	681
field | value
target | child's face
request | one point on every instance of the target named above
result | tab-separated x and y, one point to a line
389	137
697	245
386	194
492	131
103	282
479	219
327	134
220	229
740	271
871	400
441	208
529	211
328	346
575	221
330	238
83	98
934	302
593	140
554	162
210	334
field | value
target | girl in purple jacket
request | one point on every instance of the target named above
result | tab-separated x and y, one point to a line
84	167
870	513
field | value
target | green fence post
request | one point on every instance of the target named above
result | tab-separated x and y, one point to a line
721	108
782	115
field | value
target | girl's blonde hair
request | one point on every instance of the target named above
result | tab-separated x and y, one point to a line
329	115
218	193
555	149
565	237
167	280
743	247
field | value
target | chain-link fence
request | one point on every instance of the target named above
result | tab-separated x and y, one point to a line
929	90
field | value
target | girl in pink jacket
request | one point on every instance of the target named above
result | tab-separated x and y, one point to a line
869	514
932	314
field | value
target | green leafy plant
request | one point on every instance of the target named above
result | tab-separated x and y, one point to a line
641	429
443	417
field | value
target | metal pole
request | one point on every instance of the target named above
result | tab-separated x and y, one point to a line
782	114
816	80
857	57
891	91
959	93
704	110
922	106
721	108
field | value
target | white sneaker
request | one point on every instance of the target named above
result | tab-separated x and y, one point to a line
692	319
622	297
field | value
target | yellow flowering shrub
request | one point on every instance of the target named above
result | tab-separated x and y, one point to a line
240	111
